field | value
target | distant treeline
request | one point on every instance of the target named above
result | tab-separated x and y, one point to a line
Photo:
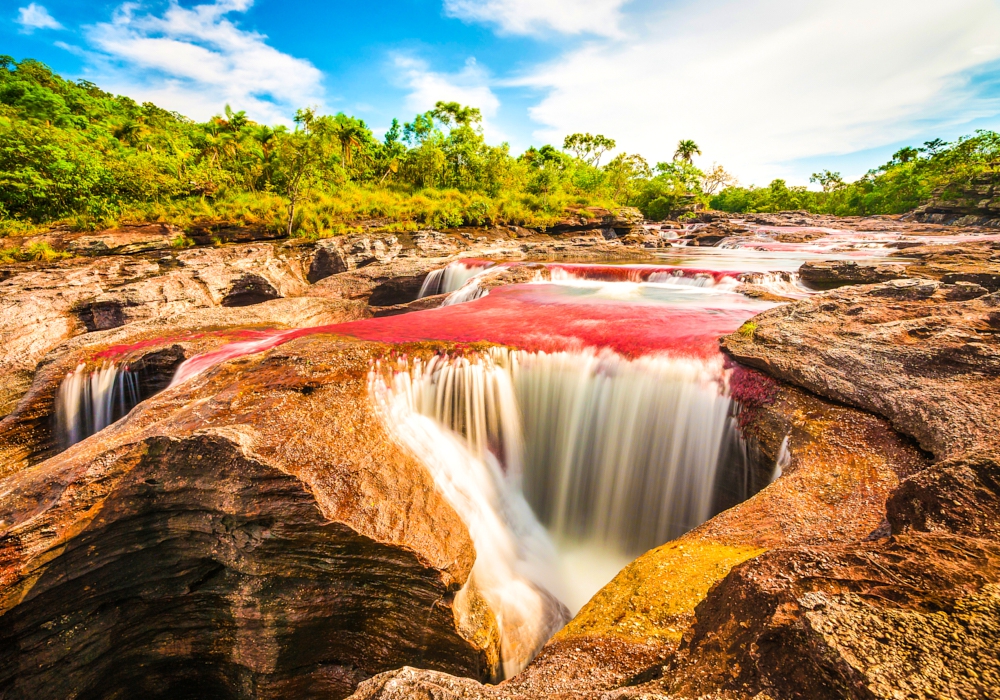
911	178
72	153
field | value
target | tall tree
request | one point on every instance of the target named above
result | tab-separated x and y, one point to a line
300	153
686	150
588	148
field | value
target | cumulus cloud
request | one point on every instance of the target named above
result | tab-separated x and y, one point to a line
536	16
195	60
469	86
35	16
426	87
758	84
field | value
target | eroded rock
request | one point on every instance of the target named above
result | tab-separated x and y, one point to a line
252	533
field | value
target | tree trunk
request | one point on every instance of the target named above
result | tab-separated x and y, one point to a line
291	218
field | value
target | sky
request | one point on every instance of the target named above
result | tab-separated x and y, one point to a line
767	88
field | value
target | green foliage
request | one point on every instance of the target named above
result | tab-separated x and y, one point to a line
686	151
905	182
34	252
73	153
747	330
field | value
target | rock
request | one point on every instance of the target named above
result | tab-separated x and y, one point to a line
158	344
434	243
252	533
907	289
623	219
129	240
837	273
39	308
901	350
712	234
327	260
861	620
960	496
975	204
963	291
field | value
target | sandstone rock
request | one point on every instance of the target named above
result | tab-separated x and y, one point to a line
930	365
592	218
252	533
159	345
960	496
914	614
907	289
827	275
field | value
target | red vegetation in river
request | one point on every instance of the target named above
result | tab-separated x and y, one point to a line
529	317
752	389
634	273
534	318
118	352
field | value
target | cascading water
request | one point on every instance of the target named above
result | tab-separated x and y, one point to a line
452	277
614	456
89	401
513	564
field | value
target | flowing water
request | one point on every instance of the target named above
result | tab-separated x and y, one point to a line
614	456
90	400
599	428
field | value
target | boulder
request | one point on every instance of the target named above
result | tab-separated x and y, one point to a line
251	533
904	350
838	273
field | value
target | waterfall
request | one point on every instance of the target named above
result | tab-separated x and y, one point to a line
513	570
614	456
787	284
89	401
452	277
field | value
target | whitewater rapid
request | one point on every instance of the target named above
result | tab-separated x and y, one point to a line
613	456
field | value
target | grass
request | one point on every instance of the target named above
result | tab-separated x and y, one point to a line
747	330
332	213
34	252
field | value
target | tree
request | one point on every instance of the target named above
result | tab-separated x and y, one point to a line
827	180
905	155
715	179
299	155
453	114
686	150
588	148
624	173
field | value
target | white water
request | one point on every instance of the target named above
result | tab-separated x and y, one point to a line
786	284
451	278
614	456
513	570
89	401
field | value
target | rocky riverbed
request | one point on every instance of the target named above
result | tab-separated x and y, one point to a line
255	527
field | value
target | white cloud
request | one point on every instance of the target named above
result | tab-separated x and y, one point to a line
196	60
535	16
35	16
469	86
758	84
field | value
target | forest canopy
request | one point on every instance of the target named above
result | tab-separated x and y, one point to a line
72	153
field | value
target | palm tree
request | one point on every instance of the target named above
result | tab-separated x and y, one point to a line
686	150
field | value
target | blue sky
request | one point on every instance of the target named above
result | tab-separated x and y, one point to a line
768	88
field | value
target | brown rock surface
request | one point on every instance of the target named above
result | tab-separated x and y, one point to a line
903	349
252	533
158	345
636	624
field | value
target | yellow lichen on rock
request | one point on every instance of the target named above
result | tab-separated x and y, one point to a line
655	596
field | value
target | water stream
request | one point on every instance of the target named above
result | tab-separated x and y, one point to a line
90	400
